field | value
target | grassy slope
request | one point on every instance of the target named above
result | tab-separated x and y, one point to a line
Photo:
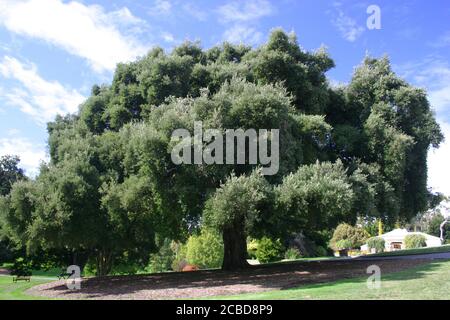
440	249
430	281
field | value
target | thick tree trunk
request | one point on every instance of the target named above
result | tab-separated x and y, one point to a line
79	258
235	247
104	262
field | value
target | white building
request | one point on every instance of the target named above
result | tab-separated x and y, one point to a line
395	240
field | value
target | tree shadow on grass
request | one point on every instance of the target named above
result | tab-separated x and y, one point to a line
204	283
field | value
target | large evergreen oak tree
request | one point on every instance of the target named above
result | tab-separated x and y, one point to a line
111	187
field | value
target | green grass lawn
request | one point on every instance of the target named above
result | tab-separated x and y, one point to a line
16	291
430	281
445	248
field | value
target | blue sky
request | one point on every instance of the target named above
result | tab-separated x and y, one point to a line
53	51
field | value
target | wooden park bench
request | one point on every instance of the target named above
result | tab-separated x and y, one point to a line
22	278
65	275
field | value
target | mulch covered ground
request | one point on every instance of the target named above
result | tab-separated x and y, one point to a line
216	282
4	271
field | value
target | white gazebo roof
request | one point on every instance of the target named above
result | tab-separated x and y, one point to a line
396	235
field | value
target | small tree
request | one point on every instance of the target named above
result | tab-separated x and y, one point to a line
356	236
376	243
413	241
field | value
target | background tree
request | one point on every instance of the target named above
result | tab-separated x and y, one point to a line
433	227
9	173
380	119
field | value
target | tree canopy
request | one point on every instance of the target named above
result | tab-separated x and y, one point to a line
111	188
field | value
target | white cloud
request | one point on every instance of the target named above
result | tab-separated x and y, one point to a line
13	132
442	41
244	11
438	172
347	26
242	18
125	17
241	33
433	74
195	12
168	37
161	7
30	154
37	97
87	31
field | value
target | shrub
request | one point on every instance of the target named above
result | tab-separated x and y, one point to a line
252	247
205	250
21	267
343	244
162	261
292	254
376	243
269	250
179	261
413	241
355	235
90	269
321	251
125	269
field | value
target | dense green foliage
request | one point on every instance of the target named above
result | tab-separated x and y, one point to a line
292	254
162	260
269	250
376	243
9	174
413	241
111	192
21	268
343	244
205	250
355	236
